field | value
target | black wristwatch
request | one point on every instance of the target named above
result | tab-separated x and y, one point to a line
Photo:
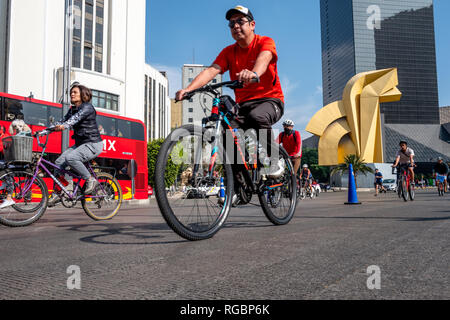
257	77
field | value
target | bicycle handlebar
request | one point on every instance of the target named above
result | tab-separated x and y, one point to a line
39	133
235	84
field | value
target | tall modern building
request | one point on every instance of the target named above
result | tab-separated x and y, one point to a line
364	35
199	106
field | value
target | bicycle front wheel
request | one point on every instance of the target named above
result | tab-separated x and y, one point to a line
404	188
279	197
105	201
30	195
411	191
200	205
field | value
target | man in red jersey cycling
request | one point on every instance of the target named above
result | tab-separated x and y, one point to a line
292	143
251	56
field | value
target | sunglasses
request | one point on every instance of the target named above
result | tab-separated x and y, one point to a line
238	21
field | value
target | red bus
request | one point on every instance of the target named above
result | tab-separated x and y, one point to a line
124	140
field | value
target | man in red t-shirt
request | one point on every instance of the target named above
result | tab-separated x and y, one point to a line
251	56
292	143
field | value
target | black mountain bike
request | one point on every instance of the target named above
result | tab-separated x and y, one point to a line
198	162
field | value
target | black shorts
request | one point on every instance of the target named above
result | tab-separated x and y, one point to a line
258	114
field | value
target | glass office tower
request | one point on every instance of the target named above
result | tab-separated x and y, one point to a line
364	35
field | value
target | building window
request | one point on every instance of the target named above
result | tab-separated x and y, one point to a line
191	120
154	109
88	37
146	102
99	12
190	80
150	107
105	100
191	110
76	44
88	33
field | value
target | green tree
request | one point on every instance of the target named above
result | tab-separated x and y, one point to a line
359	166
310	157
171	168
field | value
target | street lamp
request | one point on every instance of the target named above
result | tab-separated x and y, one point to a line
67	65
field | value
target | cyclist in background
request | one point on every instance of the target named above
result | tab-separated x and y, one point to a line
441	170
251	57
306	177
378	182
292	143
405	157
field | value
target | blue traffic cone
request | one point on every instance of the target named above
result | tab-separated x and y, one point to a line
222	189
352	196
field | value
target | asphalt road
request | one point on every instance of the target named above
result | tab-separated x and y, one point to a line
324	253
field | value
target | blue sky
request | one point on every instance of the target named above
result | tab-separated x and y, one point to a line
180	32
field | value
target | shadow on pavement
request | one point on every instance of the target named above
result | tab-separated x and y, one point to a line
123	234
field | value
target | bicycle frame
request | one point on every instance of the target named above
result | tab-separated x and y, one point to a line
41	165
222	109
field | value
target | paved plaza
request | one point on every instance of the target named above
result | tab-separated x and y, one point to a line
328	251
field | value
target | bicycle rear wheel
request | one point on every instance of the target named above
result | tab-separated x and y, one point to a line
29	194
106	199
195	211
279	196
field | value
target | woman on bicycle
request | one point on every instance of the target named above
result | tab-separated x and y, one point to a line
88	143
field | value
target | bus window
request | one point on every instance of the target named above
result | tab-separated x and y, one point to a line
137	131
13	109
124	129
108	125
56	113
115	166
31	113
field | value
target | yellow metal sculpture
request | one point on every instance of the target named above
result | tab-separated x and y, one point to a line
352	125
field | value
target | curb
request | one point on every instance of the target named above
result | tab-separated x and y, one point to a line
136	202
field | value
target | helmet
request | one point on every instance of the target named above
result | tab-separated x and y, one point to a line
288	123
440	158
305	166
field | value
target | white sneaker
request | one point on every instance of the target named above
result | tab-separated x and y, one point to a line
90	185
69	187
276	170
7	203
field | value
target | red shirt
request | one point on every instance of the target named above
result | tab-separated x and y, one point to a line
235	59
292	146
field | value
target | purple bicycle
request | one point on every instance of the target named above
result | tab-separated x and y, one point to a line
30	193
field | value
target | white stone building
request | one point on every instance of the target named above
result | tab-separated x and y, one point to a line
108	56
